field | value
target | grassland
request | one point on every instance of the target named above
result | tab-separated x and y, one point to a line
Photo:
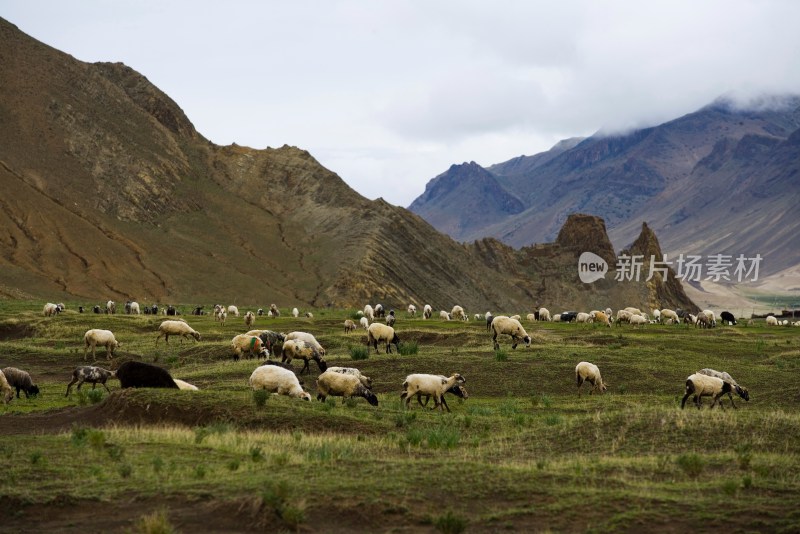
523	453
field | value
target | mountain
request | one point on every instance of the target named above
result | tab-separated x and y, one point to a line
722	180
109	192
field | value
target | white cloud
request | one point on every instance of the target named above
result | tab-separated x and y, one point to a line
389	94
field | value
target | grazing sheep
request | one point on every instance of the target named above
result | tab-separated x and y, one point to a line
272	340
249	319
656	315
390	319
219	309
295	312
727	317
185	386
508	326
602	318
380	311
21	381
742	392
96	309
308	338
369	313
444	316
364	322
427	311
701	386
637	320
478	317
51	309
176	328
91	374
5	389
433	385
260	312
367	381
309	315
544	314
634	311
297	348
343	385
458	313
589	372
253	346
278	380
104	338
274	311
349	326
412	310
111	307
171	311
458	390
135	310
568	317
531	317
133	374
489	319
772	320
668	316
381	333
517	318
583	317
233	310
712	318
222	316
702	321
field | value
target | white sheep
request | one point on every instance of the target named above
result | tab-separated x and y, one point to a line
556	317
51	309
111	307
364	322
742	392
186	386
544	314
379	310
444	316
104	338
308	338
478	317
135	308
309	315
252	345
297	348
668	315
656	315
233	310
701	386
412	310
531	317
712	318
508	326
381	333
349	326
295	312
390	318
589	372
623	316
517	318
345	385
249	319
584	317
772	320
427	311
278	380
637	320
433	385
634	311
458	390
91	374
369	313
176	328
367	381
5	389
458	313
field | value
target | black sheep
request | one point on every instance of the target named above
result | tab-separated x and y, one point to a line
133	374
727	317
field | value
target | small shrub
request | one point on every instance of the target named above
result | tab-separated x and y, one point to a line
125	470
409	348
115	452
541	463
403	418
36	457
744	455
155	523
260	397
158	464
443	438
730	487
233	465
359	353
200	471
95	395
450	523
692	464
256	454
280	459
500	355
747	482
552	419
79	435
96	438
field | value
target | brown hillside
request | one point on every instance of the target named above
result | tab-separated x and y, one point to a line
108	191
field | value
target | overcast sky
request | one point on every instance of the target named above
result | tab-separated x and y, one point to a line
388	94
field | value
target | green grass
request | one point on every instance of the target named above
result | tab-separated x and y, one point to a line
524	452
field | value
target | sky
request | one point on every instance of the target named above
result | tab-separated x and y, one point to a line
388	93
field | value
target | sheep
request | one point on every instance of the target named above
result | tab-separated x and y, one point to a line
427	311
489	318
270	339
309	315
364	322
91	374
390	319
569	316
172	311
185	386
105	338
589	372
96	309
274	311
278	380
690	319
702	321
5	389
712	319
367	381
260	312
218	310
701	386
478	317
531	317
623	316
297	348
458	314
669	315
308	338
412	310
21	381
444	316
381	333
457	390
742	392
111	307
176	328
343	385
517	318
602	318
433	385
51	309
556	317
252	345
295	312
772	320
634	311
637	320
133	374
583	317
249	319
222	316
508	326
233	310
349	326
135	310
369	313
727	317
544	314
380	311
656	315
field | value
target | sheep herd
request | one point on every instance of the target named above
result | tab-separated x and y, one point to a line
279	377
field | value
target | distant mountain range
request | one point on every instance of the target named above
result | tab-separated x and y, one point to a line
107	191
721	180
